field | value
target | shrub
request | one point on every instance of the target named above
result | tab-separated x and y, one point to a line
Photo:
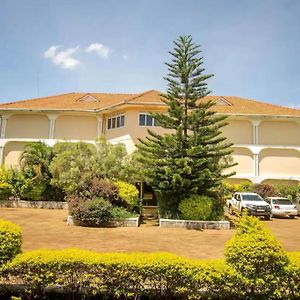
103	188
95	212
120	213
264	190
196	208
6	190
288	191
128	193
257	255
292	282
10	241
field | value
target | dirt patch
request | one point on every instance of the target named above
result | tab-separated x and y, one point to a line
43	228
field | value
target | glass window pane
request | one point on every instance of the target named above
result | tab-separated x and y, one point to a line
109	124
142	119
113	123
122	120
149	120
118	121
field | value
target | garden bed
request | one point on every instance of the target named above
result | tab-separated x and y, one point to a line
33	204
130	222
190	224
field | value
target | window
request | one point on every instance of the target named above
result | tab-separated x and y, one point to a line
146	120
116	121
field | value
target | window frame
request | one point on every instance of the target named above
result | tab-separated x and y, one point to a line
146	116
114	120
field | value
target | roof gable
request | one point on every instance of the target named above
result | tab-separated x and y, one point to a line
88	98
222	102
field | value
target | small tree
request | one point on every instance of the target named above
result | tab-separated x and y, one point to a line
191	158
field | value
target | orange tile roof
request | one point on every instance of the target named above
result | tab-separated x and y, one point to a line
75	101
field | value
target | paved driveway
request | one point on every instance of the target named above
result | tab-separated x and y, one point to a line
44	228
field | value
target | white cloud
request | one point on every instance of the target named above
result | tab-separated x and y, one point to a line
62	58
100	49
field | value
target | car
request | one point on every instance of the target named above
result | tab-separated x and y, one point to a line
252	202
282	207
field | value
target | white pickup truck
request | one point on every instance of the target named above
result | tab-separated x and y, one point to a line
253	203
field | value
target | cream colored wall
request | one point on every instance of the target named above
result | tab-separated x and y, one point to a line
132	126
279	133
244	158
279	162
27	126
238	131
73	127
12	152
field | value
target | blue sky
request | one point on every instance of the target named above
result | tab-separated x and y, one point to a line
59	46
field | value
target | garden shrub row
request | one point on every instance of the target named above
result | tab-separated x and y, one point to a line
157	276
10	241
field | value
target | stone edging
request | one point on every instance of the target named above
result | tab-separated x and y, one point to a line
130	222
190	224
33	204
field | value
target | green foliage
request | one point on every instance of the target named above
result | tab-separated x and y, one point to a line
292	192
72	167
128	193
191	158
120	213
10	241
95	212
196	208
292	282
258	256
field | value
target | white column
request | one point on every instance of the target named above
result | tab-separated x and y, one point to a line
255	151
255	131
52	118
99	126
1	155
3	125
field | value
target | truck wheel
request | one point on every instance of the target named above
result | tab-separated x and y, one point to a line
230	210
268	217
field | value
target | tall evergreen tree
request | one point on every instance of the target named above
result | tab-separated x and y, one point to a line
192	157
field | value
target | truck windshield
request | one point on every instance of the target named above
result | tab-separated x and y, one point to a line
250	197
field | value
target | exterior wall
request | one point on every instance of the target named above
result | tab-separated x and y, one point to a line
279	133
244	158
27	126
12	153
280	162
238	131
132	127
78	127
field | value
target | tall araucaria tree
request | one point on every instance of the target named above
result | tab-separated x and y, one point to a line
193	156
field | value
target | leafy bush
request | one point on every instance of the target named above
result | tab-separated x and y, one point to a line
103	188
95	212
288	191
264	190
10	241
154	276
120	213
196	208
6	190
128	193
257	255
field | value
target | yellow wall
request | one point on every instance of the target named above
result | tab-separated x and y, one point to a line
12	152
27	126
279	162
238	131
279	133
72	127
244	158
132	127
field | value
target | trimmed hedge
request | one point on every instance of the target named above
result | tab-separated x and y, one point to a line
156	276
10	241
